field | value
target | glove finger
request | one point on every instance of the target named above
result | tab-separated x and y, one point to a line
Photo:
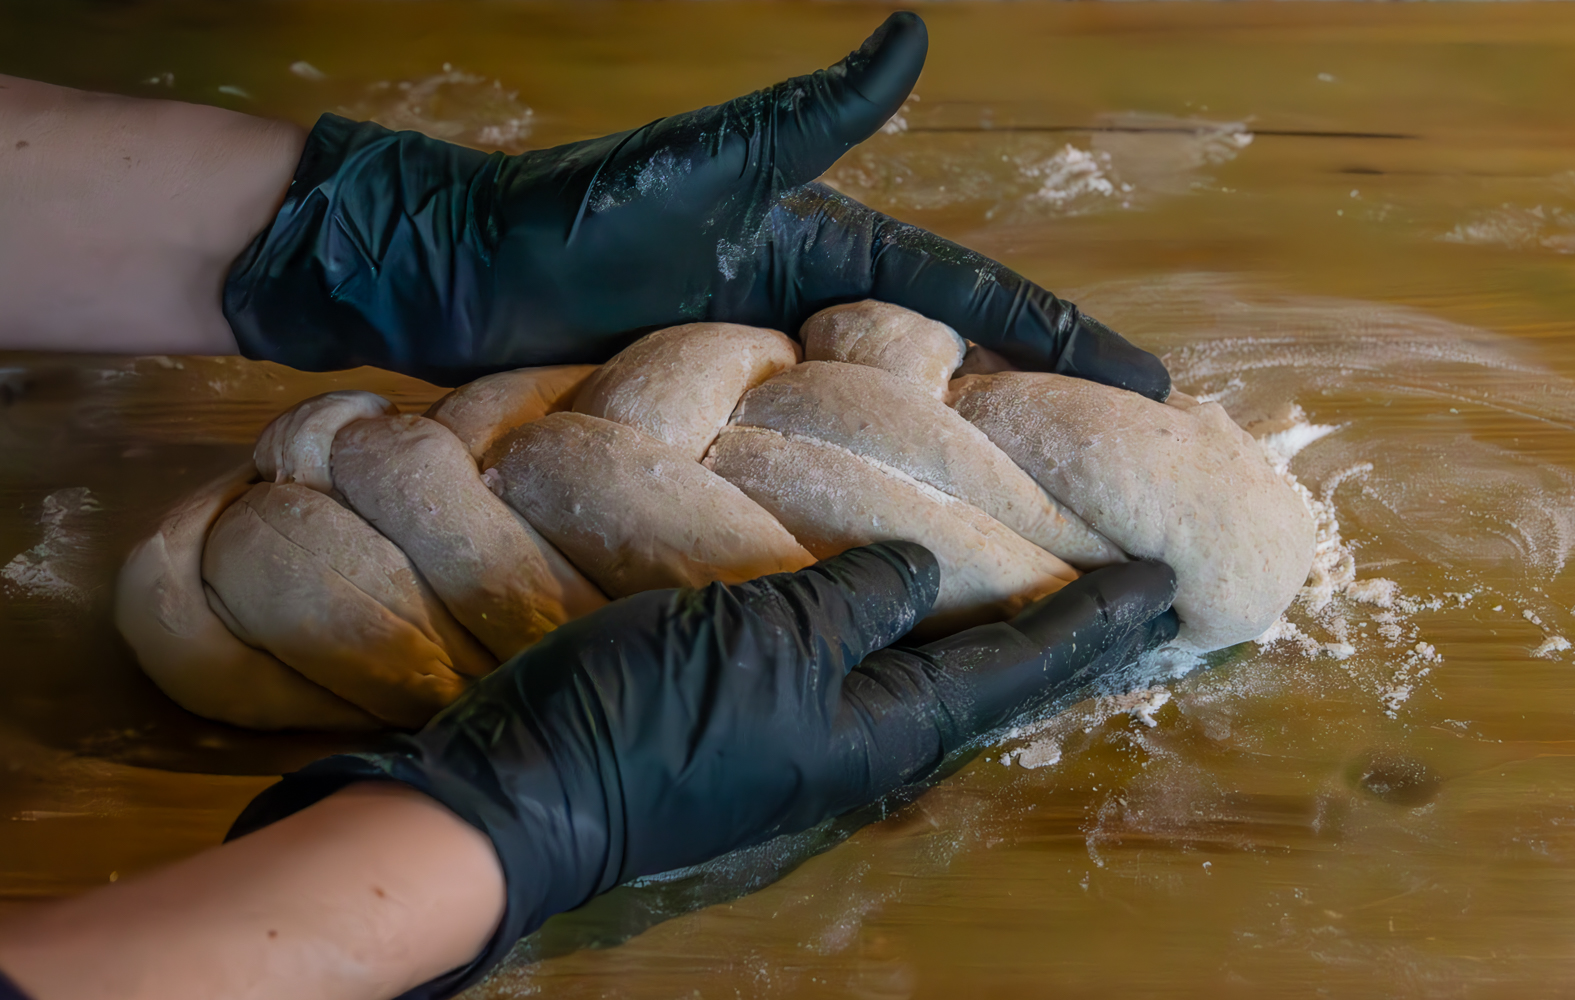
1105	602
840	251
844	608
821	116
995	306
1098	623
904	711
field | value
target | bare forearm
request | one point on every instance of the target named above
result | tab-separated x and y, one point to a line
119	217
362	896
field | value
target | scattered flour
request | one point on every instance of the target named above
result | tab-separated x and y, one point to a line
54	568
1517	228
1043	746
1042	752
1167	663
455	105
1552	644
1332	589
1129	161
1377	592
1072	176
1287	631
1415	664
1140	705
898	122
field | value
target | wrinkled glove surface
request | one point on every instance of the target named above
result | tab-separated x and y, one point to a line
414	254
675	725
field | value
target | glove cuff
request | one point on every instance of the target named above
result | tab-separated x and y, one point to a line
531	896
348	272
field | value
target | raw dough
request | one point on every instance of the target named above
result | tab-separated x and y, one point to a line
1180	483
295	447
833	500
882	335
417	484
634	513
481	412
877	415
312	583
982	361
162	611
680	385
609	473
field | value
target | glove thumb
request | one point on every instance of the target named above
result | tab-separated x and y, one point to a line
1095	624
821	116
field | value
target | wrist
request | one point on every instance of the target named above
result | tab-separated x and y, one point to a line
120	216
536	848
368	893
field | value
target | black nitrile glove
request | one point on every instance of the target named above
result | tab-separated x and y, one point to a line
675	725
410	253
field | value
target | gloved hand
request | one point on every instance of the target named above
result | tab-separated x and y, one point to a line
675	725
410	253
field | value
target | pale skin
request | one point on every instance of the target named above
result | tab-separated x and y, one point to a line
368	893
120	217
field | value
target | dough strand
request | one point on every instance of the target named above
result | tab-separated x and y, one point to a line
912	347
482	412
416	483
634	513
162	610
320	589
833	500
680	385
878	416
1181	483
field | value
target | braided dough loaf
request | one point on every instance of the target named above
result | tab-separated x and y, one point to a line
393	558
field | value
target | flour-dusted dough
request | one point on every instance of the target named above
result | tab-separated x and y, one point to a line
982	361
319	588
1180	483
833	500
680	385
877	415
886	336
294	448
164	615
418	485
482	412
634	513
